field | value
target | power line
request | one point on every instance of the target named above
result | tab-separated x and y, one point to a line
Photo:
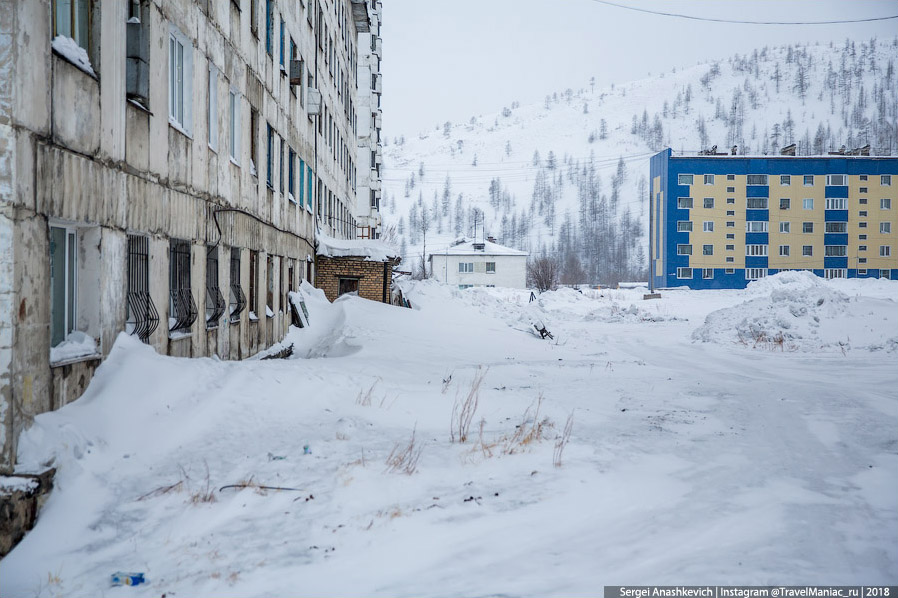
741	22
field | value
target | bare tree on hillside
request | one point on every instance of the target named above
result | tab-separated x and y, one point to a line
542	273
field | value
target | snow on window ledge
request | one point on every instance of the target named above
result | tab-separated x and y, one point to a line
291	198
253	317
178	127
77	346
139	106
70	51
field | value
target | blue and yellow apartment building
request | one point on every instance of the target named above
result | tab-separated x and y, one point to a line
721	221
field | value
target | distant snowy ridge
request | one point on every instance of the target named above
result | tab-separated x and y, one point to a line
569	176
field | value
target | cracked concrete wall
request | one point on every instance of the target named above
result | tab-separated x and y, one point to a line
8	22
75	152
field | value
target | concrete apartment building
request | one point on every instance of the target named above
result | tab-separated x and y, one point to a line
370	147
163	166
721	221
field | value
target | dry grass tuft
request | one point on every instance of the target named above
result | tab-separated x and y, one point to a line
463	411
364	398
404	458
204	494
562	440
531	429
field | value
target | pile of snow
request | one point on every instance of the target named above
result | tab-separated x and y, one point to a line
370	249
239	478
71	51
76	344
798	311
17	484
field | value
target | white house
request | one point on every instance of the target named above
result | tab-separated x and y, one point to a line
480	263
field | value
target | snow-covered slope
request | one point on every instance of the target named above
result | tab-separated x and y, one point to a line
688	461
533	170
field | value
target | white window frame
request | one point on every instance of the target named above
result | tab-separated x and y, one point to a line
885	228
885	251
755	273
235	125
826	227
682	204
756	226
212	107
684	273
807	203
885	180
885	203
764	201
684	249
708	226
684	177
830	273
788	205
754	180
807	232
70	282
756	250
784	250
78	26
180	81
491	270
785	180
804	180
709	179
836	203
708	249
684	226
707	273
706	201
465	267
835	250
837	180
809	252
785	227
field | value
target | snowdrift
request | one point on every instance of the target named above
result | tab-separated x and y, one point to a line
798	311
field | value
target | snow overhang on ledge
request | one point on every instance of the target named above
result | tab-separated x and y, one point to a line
370	250
360	15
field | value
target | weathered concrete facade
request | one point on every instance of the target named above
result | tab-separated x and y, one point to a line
183	172
370	146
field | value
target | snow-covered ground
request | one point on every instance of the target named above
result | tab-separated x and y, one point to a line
702	450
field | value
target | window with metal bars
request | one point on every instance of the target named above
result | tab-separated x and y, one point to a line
142	315
238	299
215	304
269	296
183	308
253	273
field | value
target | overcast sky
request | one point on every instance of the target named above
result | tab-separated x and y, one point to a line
451	60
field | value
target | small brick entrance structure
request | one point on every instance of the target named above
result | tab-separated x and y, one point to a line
363	266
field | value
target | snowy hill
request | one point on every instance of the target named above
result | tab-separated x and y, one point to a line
569	175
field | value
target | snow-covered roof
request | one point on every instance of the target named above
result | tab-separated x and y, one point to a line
370	249
489	248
